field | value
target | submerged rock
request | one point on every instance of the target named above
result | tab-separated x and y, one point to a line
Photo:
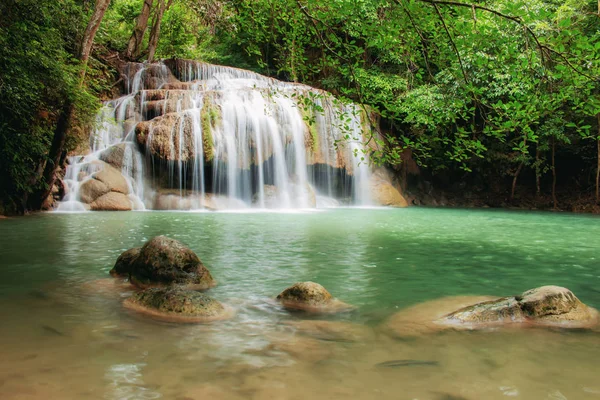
178	305
163	261
556	305
498	311
332	331
310	296
420	319
543	306
124	264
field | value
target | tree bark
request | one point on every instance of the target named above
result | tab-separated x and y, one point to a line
554	201
90	34
163	6
66	116
135	42
514	182
598	153
538	186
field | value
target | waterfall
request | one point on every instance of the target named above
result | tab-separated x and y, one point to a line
191	135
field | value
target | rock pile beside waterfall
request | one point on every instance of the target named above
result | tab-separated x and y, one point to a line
190	135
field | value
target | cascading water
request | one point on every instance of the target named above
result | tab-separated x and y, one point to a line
190	135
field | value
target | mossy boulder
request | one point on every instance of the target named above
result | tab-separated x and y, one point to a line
553	305
310	296
124	264
163	261
497	311
543	306
546	305
178	305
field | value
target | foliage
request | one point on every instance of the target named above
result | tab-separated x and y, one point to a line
37	75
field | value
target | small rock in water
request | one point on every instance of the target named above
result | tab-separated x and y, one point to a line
557	395
38	294
50	330
509	391
448	396
310	296
406	363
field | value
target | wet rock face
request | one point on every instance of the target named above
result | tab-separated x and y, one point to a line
106	189
117	156
555	304
112	201
163	261
310	296
504	310
177	304
548	300
383	191
546	305
124	264
309	293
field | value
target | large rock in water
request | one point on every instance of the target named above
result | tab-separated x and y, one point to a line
124	264
310	296
162	262
178	305
543	306
556	305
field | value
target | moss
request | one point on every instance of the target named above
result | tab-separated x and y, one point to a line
309	119
210	117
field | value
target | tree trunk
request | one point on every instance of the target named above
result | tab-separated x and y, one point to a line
598	153
538	186
90	34
514	182
554	201
155	32
66	116
135	42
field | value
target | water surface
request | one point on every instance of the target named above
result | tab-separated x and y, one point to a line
65	335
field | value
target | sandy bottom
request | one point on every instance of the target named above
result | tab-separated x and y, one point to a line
65	348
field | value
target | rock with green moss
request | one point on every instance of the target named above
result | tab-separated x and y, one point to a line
546	305
178	305
163	262
210	117
124	264
310	296
552	306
